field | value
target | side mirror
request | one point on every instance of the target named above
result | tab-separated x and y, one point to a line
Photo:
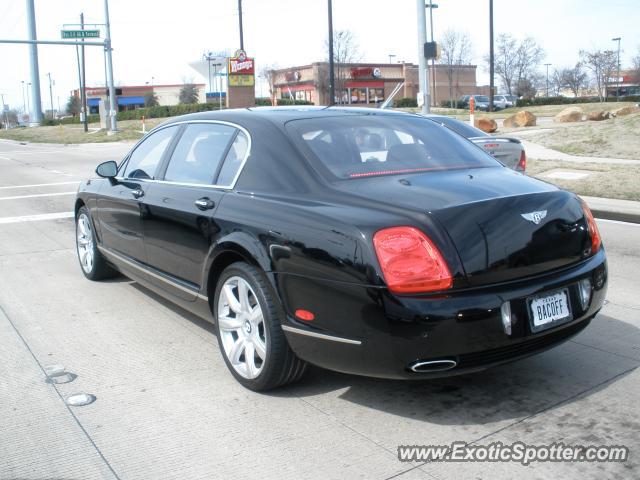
107	169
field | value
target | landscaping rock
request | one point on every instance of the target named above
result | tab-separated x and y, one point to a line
486	125
520	119
626	111
598	116
571	114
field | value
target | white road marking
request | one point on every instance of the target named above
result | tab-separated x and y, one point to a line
36	218
38	195
7	187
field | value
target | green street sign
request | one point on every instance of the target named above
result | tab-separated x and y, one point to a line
80	33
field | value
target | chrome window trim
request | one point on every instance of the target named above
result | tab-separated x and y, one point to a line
231	186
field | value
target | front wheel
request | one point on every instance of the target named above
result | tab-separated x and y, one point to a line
93	264
249	331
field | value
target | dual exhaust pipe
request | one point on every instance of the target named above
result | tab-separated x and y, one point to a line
428	366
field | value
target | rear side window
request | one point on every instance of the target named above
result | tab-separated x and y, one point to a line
199	153
356	146
144	160
233	160
462	128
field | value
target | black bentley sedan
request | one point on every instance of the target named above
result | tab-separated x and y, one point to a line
369	242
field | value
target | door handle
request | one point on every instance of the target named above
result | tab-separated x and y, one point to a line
137	193
204	203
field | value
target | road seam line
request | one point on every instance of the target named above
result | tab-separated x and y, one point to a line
15	329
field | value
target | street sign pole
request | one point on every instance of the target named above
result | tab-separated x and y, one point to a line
36	118
83	92
109	58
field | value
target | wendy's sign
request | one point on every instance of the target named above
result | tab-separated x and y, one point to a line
241	64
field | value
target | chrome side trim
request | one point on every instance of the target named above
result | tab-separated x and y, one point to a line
150	273
190	122
323	336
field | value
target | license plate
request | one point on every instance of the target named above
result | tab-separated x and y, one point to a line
549	309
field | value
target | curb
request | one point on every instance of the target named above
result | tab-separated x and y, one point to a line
618	216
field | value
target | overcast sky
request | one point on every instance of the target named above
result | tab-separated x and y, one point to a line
158	39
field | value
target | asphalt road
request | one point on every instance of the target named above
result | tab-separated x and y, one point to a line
167	408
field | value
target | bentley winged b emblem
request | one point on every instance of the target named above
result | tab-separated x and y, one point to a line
535	217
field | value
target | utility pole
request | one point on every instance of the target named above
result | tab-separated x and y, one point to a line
547	65
50	95
109	61
83	91
4	111
24	103
431	6
617	39
423	94
35	119
240	21
332	93
491	56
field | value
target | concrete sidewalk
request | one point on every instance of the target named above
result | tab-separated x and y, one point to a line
613	209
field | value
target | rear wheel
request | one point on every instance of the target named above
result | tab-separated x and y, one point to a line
93	264
251	339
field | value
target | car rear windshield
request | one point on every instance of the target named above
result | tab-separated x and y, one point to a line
357	146
481	98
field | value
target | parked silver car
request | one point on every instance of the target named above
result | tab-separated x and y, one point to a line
504	101
507	150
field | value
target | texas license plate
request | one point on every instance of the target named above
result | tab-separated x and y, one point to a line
549	309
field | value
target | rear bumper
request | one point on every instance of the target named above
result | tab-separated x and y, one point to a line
368	331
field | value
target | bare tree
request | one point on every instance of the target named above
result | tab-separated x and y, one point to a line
602	65
635	66
266	74
345	51
516	63
573	78
151	99
455	49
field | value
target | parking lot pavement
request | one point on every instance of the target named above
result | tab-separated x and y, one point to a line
167	408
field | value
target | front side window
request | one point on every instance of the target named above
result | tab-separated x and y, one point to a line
357	146
199	152
144	160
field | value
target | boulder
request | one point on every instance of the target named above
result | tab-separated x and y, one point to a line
620	112
520	119
486	125
598	116
571	114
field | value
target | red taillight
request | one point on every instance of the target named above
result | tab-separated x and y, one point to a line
522	164
594	233
410	262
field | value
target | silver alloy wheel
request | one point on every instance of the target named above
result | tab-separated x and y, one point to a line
242	329
84	242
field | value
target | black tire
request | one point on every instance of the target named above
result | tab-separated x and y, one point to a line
99	268
281	366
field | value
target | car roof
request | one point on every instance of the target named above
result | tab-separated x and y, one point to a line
281	115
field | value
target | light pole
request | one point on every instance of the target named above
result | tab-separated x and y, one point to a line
332	87
431	6
547	65
109	65
617	39
391	57
28	112
423	94
491	57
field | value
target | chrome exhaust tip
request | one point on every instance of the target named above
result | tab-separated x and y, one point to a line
426	366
